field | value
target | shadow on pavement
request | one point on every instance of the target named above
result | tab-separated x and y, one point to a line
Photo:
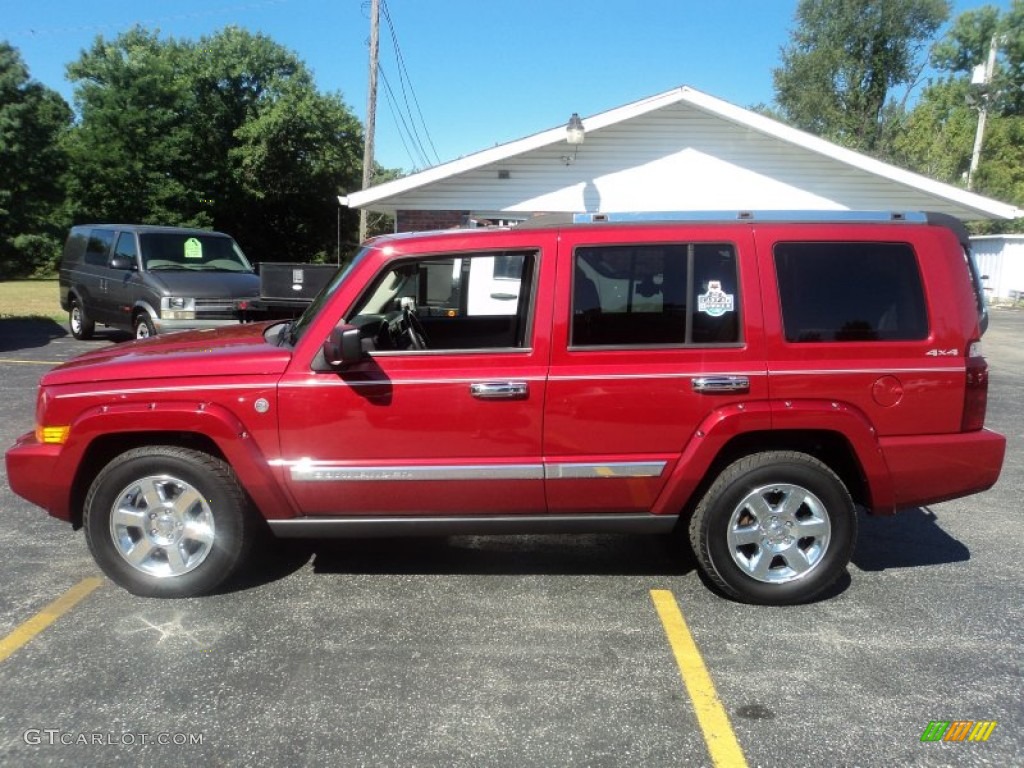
906	540
598	555
27	333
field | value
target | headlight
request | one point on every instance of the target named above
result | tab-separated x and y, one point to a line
177	308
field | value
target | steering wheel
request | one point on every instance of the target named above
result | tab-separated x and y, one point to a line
414	328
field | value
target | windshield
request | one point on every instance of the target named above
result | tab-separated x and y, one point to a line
192	251
299	326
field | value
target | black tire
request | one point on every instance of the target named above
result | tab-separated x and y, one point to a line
143	326
79	323
180	513
746	529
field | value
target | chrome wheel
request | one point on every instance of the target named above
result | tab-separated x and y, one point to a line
143	328
779	533
162	526
81	326
774	528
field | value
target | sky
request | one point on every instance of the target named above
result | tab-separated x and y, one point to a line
481	73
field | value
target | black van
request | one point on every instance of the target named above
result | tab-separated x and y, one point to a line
148	279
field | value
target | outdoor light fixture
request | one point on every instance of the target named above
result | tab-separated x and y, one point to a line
574	135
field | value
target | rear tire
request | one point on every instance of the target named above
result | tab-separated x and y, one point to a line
81	326
775	528
164	521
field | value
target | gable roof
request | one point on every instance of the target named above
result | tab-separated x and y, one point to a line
684	140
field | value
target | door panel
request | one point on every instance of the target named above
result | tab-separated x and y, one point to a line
645	322
419	432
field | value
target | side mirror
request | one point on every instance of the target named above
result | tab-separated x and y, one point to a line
344	346
122	262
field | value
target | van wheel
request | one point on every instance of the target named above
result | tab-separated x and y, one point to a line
775	528
164	521
144	326
81	326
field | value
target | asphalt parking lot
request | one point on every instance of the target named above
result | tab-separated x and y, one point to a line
515	651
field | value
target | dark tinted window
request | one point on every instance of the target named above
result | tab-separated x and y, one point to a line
643	295
98	247
125	247
850	292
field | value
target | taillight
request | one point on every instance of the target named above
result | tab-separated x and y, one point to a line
976	389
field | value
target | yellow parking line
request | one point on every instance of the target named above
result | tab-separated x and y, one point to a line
31	362
723	748
23	633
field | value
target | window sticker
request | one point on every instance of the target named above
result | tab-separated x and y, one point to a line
715	302
193	249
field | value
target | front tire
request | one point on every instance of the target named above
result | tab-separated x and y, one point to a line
775	528
144	328
165	521
81	326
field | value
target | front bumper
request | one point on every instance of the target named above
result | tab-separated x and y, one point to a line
199	324
32	474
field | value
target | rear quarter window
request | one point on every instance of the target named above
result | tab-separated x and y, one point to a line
98	247
842	292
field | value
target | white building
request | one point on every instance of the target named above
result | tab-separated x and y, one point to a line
1001	259
679	150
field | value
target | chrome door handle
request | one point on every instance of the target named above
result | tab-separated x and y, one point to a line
713	384
500	390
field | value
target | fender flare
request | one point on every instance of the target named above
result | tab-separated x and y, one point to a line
725	424
208	419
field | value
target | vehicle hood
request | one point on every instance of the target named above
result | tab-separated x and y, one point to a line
231	351
206	285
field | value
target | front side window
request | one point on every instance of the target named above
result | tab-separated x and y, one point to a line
655	295
449	302
125	248
865	291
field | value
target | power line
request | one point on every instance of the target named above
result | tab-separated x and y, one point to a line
407	88
401	123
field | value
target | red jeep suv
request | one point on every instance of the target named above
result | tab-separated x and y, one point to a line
755	378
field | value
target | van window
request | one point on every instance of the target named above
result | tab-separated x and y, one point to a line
98	247
648	295
845	292
125	247
180	251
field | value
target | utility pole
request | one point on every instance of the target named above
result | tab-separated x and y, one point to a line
981	80
371	109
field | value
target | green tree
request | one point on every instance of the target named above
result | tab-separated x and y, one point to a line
32	163
129	152
229	131
273	152
845	60
940	131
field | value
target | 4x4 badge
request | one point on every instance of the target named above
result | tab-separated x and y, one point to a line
715	302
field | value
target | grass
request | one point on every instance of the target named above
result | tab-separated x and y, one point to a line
28	299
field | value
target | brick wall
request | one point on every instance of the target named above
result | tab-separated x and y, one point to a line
418	221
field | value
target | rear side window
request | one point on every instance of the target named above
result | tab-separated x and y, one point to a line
98	247
672	294
864	291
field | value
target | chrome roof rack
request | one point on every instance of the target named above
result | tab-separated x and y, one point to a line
915	217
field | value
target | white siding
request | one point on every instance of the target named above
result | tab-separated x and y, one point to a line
675	158
1001	258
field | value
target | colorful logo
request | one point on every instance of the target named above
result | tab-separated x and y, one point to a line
958	730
